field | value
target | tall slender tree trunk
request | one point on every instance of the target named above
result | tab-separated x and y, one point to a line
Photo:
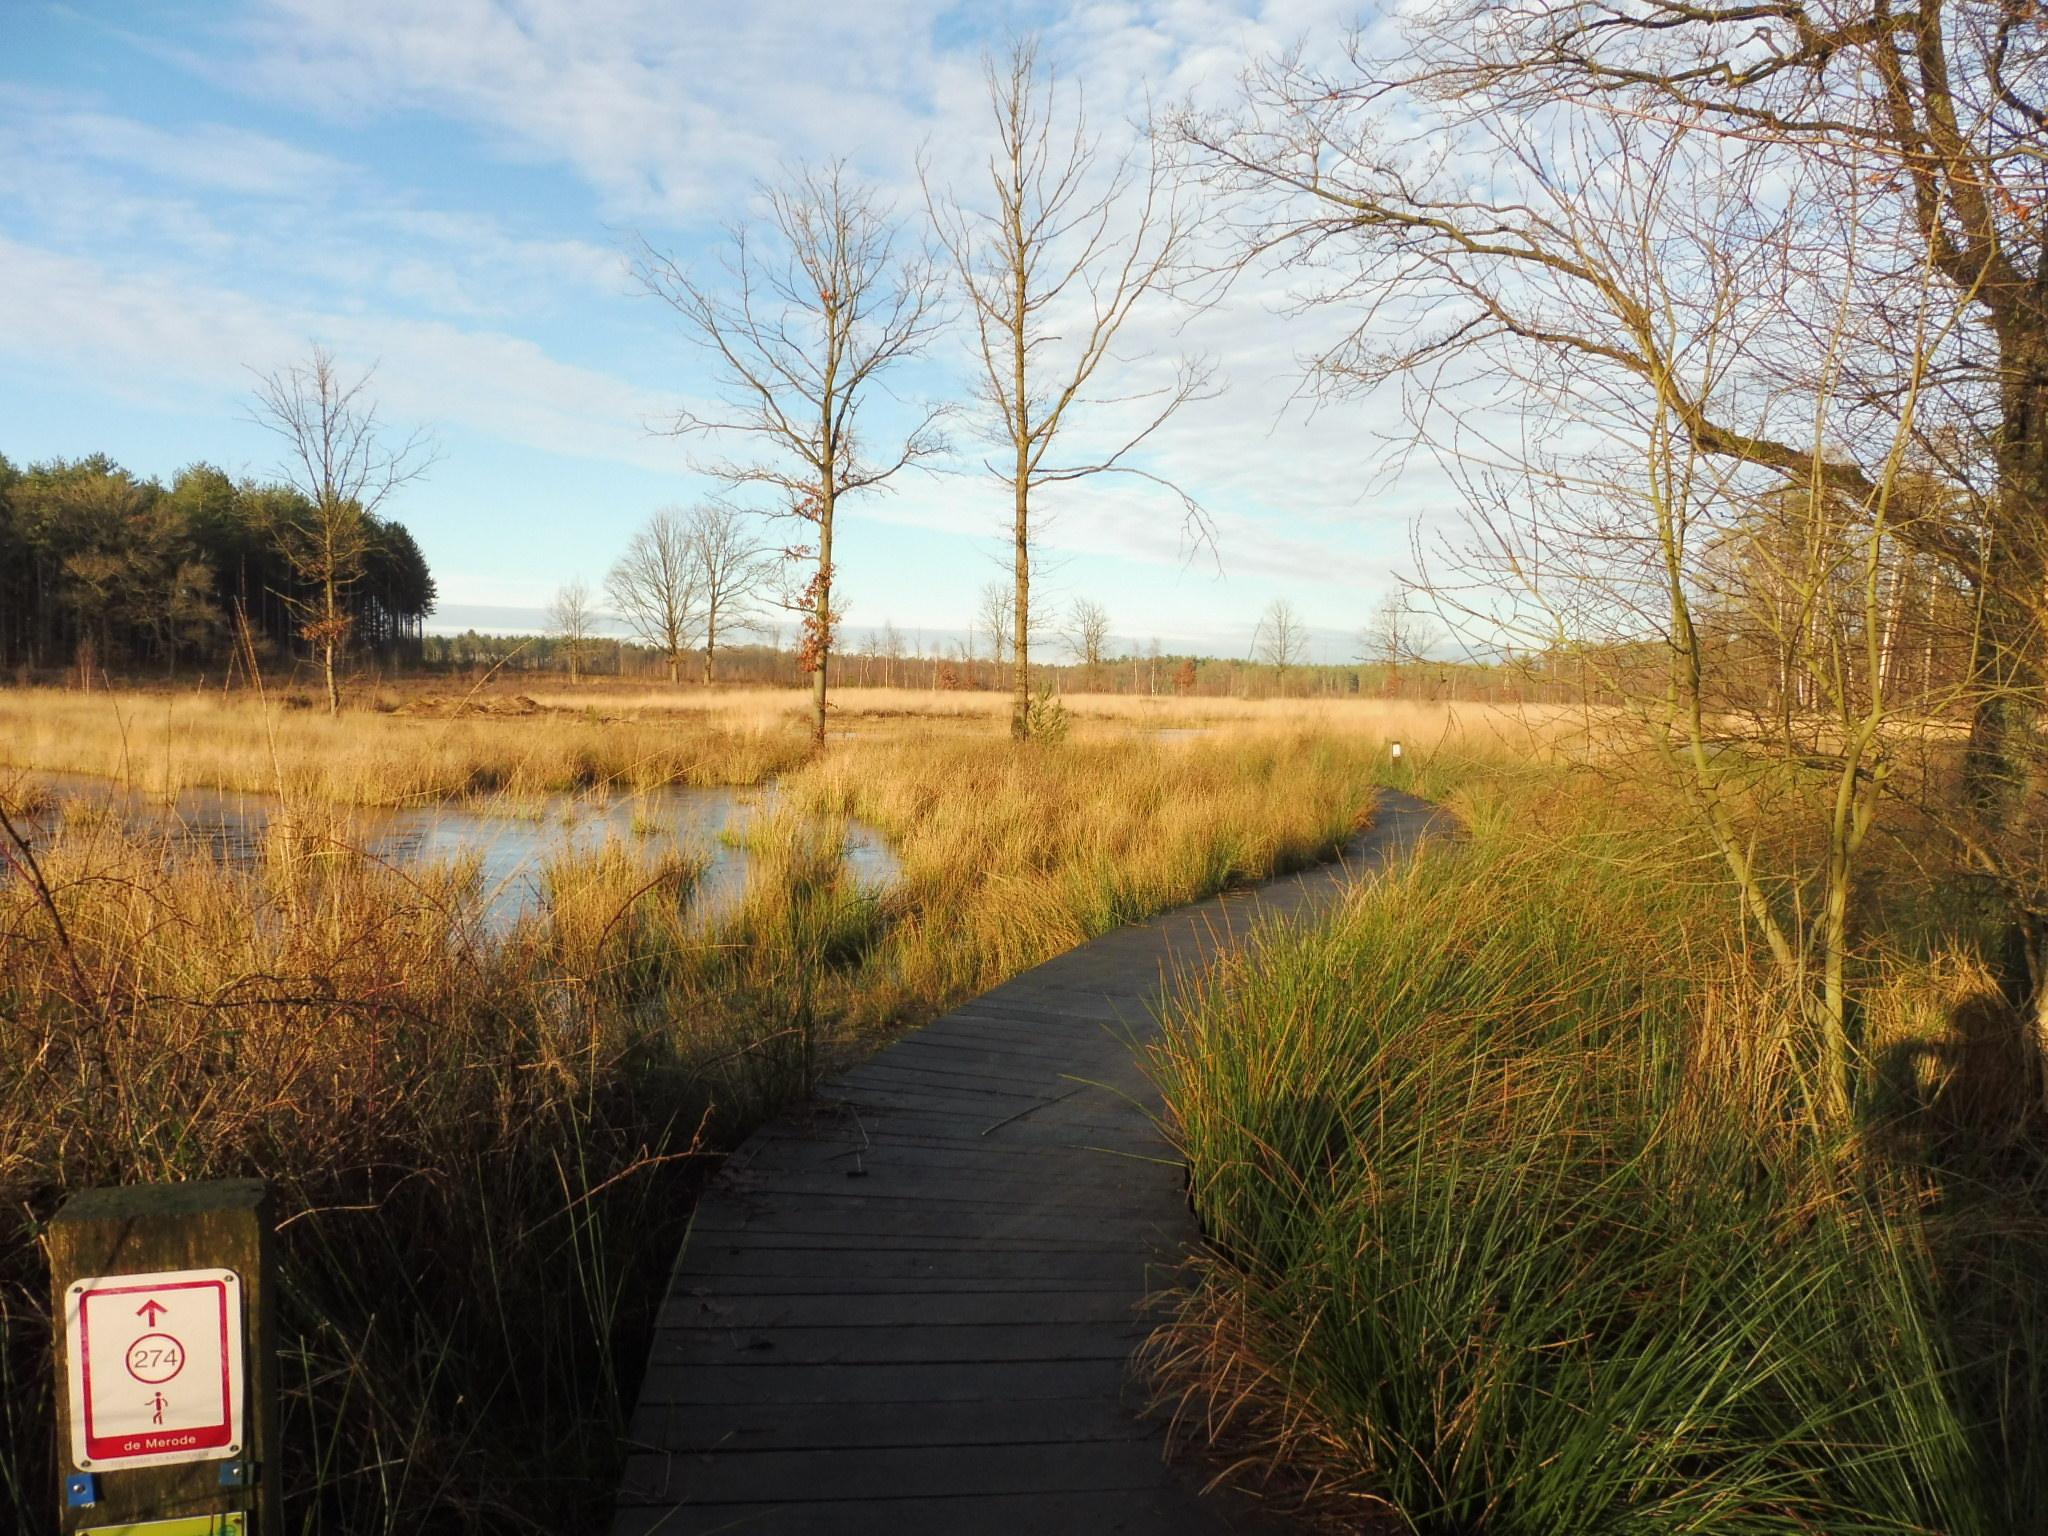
327	649
822	615
1894	622
1020	643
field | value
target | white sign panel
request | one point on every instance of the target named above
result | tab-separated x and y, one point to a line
156	1368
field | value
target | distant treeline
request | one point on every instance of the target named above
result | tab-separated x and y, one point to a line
871	661
100	570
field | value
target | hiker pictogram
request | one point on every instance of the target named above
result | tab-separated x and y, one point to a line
184	1327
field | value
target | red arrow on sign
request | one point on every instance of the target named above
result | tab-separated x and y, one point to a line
150	1310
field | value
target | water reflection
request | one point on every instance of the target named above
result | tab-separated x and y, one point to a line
513	849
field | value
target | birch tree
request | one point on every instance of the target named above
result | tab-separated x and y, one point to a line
1281	640
1088	635
814	304
997	618
345	466
1636	284
1056	253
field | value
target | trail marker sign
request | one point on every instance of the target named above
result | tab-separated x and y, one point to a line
164	1300
157	1374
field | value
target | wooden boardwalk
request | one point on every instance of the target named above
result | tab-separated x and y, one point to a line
911	1306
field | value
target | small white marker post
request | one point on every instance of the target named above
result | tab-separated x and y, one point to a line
167	1423
1394	750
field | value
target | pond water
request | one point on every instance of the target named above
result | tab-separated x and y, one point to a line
512	849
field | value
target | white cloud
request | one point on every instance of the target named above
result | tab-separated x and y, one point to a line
285	219
664	110
161	337
41	126
670	112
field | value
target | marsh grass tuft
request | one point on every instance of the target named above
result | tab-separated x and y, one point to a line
1519	1222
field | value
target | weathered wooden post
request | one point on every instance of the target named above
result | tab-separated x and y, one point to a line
167	1360
1394	750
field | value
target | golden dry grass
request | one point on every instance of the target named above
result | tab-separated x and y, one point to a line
415	1087
862	708
162	742
415	751
1010	856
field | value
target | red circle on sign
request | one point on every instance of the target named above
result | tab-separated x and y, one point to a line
155	1358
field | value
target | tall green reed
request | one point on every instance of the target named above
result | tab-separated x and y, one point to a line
1517	1224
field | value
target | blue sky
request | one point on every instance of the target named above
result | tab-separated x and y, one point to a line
448	191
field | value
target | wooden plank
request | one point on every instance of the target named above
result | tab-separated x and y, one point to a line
928	1343
739	1206
903	1072
1103	1190
911	1305
878	1472
911	1157
710	1264
961	1053
1020	1222
830	1284
851	1247
770	1381
688	1427
1102	1512
901	1309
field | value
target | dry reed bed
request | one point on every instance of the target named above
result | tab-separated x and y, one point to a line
160	743
484	1150
861	708
1009	857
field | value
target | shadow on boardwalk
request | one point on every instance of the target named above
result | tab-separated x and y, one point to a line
911	1306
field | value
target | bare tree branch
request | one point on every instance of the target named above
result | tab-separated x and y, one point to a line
816	305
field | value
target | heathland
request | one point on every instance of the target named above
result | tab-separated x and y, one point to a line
1526	1207
484	1145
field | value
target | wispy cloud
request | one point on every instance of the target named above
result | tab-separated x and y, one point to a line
161	339
43	125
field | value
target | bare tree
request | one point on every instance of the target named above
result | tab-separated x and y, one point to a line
1886	176
339	460
1280	640
572	620
1396	635
997	618
657	587
817	303
892	651
1064	250
1088	635
1647	263
734	566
